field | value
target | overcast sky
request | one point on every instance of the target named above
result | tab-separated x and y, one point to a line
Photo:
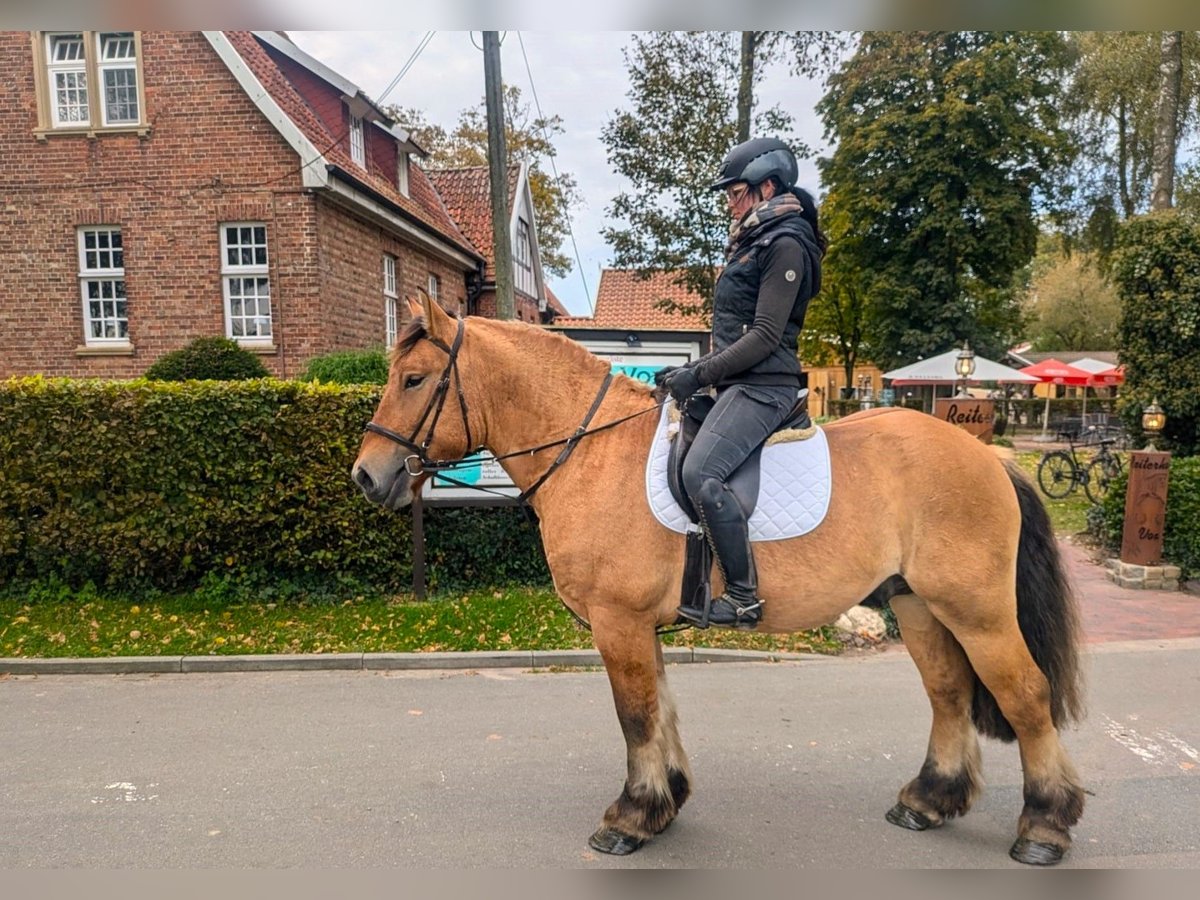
579	76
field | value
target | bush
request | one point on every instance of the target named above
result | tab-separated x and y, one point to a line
1157	271
148	484
348	367
1181	535
208	359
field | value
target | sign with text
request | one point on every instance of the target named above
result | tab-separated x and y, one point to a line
1145	507
975	415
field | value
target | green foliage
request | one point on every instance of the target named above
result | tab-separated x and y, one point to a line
1156	269
207	358
152	485
1071	305
944	143
1181	534
348	367
526	137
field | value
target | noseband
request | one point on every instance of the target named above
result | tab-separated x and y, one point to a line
437	402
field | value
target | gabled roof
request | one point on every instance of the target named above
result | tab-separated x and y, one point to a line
555	304
625	301
467	195
330	155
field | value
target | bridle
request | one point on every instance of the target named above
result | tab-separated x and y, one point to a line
419	462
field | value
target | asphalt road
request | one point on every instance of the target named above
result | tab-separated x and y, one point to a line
794	765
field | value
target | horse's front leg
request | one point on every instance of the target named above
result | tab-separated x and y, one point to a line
658	779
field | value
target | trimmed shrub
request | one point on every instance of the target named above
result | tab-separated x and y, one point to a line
208	359
348	367
1156	269
164	485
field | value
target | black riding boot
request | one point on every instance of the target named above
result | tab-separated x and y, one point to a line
728	532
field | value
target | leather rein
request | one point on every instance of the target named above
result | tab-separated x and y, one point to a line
420	463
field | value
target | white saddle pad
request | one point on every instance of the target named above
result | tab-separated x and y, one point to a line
793	494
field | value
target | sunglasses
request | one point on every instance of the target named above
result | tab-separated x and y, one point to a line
735	194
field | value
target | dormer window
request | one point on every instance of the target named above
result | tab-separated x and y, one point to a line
402	172
358	147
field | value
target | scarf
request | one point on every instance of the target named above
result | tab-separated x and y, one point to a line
759	219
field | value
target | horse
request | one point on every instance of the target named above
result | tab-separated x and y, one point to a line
918	508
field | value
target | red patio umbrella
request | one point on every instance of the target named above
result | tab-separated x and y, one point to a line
1053	371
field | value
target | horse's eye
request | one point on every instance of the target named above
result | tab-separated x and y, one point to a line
413	381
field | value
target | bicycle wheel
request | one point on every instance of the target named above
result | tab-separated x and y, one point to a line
1056	474
1100	474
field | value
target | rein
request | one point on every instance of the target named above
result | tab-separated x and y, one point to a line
425	465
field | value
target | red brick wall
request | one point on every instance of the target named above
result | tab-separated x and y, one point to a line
525	307
211	157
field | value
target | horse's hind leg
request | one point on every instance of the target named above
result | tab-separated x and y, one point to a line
658	779
1053	795
949	780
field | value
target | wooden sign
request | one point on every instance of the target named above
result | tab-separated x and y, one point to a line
1145	507
975	415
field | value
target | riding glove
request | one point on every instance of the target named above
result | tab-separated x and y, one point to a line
681	383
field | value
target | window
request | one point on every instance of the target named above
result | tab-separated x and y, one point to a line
402	173
391	320
102	285
246	280
435	284
93	80
523	257
358	151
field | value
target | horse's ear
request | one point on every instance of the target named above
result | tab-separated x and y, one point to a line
437	322
410	309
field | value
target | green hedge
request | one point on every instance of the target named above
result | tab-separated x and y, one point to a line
348	367
1181	537
164	485
208	358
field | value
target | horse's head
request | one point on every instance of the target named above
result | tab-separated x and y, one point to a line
422	417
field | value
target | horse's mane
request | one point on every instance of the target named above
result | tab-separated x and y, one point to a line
551	345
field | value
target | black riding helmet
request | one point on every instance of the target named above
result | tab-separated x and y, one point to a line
755	161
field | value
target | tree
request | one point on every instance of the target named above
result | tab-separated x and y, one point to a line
1156	269
945	142
691	95
1071	306
527	137
1166	126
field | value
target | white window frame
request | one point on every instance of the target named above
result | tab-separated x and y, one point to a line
434	286
391	320
241	271
89	73
119	64
92	271
523	258
402	173
358	145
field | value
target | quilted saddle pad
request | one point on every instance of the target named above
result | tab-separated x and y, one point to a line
793	494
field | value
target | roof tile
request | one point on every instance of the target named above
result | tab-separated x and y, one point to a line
623	300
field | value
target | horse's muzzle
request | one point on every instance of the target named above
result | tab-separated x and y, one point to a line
393	491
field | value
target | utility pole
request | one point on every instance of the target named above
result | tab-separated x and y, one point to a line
498	175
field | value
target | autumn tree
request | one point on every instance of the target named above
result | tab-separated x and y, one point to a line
1071	305
527	137
945	144
691	98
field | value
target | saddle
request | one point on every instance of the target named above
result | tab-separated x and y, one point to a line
696	590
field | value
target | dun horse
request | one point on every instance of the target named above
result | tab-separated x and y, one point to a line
985	608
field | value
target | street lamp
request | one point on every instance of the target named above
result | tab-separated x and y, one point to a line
964	365
1153	422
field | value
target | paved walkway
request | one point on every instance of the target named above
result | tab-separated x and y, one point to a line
1114	613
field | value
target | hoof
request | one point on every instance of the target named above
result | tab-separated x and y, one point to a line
907	817
617	843
1036	853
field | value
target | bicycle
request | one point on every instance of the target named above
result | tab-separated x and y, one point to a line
1059	471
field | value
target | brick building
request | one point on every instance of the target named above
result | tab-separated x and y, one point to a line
163	186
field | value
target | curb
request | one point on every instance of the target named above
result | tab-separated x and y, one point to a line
499	659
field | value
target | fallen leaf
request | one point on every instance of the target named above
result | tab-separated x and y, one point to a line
416	712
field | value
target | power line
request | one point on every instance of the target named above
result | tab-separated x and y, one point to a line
570	230
408	65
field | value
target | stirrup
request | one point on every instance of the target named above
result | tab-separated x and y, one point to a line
744	616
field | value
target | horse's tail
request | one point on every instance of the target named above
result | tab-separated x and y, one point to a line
1048	614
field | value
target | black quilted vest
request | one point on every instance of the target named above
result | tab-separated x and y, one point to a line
736	297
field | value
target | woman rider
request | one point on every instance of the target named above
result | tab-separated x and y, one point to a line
772	270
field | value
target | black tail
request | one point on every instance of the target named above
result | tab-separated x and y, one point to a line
1048	615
